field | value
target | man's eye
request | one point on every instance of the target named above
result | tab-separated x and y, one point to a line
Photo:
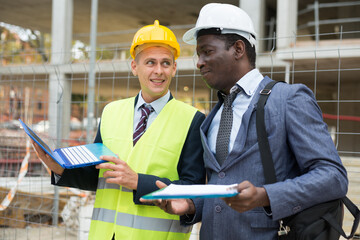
166	63
150	62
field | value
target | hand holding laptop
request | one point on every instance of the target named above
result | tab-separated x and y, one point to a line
49	162
118	171
68	157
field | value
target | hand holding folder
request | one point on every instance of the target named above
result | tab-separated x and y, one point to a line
174	191
176	199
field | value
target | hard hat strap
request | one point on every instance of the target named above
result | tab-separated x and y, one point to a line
208	31
141	47
219	31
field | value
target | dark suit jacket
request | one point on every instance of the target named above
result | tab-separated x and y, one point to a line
190	167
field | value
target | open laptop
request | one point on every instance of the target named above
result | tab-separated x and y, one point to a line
72	157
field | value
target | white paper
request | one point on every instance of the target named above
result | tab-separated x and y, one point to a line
193	191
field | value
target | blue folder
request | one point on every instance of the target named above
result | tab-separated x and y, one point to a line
72	157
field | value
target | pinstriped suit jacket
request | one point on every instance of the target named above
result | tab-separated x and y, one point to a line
306	162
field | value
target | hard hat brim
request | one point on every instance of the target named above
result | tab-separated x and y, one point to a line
143	46
190	37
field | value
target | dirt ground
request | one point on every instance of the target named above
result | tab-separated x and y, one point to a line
59	233
52	233
43	233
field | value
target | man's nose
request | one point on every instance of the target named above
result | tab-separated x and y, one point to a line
200	62
158	69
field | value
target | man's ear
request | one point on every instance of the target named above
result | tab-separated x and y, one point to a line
239	47
174	69
133	67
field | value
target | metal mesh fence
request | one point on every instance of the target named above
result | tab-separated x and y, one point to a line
34	209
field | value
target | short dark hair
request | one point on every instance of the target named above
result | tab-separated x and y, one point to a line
230	40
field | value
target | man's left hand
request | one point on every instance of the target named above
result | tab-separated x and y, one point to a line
249	197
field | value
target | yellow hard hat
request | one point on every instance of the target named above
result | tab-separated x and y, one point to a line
155	34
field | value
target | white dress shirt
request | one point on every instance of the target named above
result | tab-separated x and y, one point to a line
157	105
248	85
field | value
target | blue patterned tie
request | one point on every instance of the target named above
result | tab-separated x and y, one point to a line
223	137
146	109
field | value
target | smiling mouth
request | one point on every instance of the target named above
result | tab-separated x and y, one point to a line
203	73
157	81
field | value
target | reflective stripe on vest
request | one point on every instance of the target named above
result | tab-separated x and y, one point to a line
103	185
139	222
159	152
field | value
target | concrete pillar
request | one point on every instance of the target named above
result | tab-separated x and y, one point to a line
59	83
286	23
256	10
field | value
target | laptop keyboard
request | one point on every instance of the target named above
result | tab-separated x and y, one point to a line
79	155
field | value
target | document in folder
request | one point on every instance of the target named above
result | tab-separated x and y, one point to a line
174	191
72	157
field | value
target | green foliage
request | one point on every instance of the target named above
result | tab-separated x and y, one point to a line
25	46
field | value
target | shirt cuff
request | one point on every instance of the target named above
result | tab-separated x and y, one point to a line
56	178
187	219
268	211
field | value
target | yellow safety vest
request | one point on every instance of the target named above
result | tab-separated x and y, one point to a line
156	153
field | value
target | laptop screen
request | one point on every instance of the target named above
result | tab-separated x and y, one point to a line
29	131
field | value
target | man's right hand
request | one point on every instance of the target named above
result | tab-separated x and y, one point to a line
51	163
172	206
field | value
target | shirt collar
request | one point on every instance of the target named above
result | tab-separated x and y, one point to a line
250	81
157	105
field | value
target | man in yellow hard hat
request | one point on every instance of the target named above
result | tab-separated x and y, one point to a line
156	138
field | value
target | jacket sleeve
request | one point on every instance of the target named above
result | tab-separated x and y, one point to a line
187	220
320	176
190	167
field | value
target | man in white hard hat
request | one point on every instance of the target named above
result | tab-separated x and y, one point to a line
156	138
307	166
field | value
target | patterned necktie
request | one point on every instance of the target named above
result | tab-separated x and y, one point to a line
223	137
146	109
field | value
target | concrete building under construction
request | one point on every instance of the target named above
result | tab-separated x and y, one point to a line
61	91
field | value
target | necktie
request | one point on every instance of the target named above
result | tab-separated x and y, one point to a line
141	127
223	137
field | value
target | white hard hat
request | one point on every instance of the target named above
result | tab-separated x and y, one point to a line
228	18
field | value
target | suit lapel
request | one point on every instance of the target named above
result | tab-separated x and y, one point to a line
238	149
241	137
212	163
